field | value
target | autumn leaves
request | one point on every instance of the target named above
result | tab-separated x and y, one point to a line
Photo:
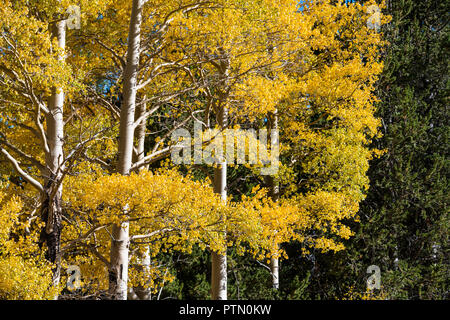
142	70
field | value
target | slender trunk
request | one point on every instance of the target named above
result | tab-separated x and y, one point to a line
274	268
274	262
139	133
274	193
218	261
127	112
142	293
51	210
118	272
219	276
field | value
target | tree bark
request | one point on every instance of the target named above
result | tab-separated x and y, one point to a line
274	262
219	276
140	132
218	261
127	112
51	209
118	272
145	263
141	292
274	193
274	268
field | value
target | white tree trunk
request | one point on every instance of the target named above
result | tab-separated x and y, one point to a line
118	272
145	264
274	193
140	292
219	276
126	130
139	134
51	210
218	261
274	262
274	268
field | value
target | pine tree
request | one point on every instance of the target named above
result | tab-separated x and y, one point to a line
404	219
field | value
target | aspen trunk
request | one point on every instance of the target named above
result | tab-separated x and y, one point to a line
140	132
274	266
219	276
145	261
274	262
127	112
141	292
218	261
118	271
274	193
51	210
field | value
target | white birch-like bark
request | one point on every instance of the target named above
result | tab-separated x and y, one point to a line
274	262
274	268
140	132
145	263
51	210
218	261
118	272
127	112
274	193
140	292
219	276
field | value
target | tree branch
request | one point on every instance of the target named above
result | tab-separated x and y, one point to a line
24	175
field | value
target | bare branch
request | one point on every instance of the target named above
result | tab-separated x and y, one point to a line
151	234
33	160
24	175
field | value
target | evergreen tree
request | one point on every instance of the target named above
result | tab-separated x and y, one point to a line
404	219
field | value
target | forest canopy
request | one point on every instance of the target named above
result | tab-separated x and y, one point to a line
223	149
